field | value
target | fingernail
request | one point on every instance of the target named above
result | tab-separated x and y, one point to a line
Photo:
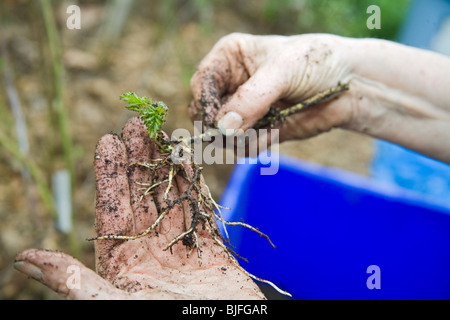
29	269
230	122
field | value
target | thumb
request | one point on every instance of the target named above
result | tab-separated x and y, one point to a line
250	102
65	275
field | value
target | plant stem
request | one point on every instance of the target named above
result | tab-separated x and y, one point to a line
58	83
35	172
274	116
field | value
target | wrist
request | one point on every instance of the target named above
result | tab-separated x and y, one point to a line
413	71
397	116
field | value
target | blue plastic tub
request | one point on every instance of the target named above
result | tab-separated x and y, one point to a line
330	226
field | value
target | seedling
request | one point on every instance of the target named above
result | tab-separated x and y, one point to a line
152	114
206	212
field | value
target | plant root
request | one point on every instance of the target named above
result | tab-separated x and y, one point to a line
205	211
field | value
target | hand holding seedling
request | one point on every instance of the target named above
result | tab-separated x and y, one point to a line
142	268
397	93
243	76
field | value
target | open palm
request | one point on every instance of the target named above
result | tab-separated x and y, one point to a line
141	268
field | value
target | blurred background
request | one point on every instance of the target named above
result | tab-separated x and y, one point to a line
59	93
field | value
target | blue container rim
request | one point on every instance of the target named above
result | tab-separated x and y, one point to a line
242	172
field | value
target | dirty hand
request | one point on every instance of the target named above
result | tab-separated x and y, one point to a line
244	75
138	269
397	93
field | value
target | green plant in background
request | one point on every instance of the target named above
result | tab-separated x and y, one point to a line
351	16
344	17
58	106
17	147
7	143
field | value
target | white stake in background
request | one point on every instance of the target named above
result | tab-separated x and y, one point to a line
62	195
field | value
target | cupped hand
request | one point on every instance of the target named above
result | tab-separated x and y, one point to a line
141	268
244	75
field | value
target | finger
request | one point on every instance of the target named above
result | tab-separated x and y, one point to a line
139	147
223	69
66	275
250	102
113	214
173	223
208	84
195	111
315	120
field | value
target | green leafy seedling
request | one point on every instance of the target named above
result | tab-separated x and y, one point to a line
153	114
